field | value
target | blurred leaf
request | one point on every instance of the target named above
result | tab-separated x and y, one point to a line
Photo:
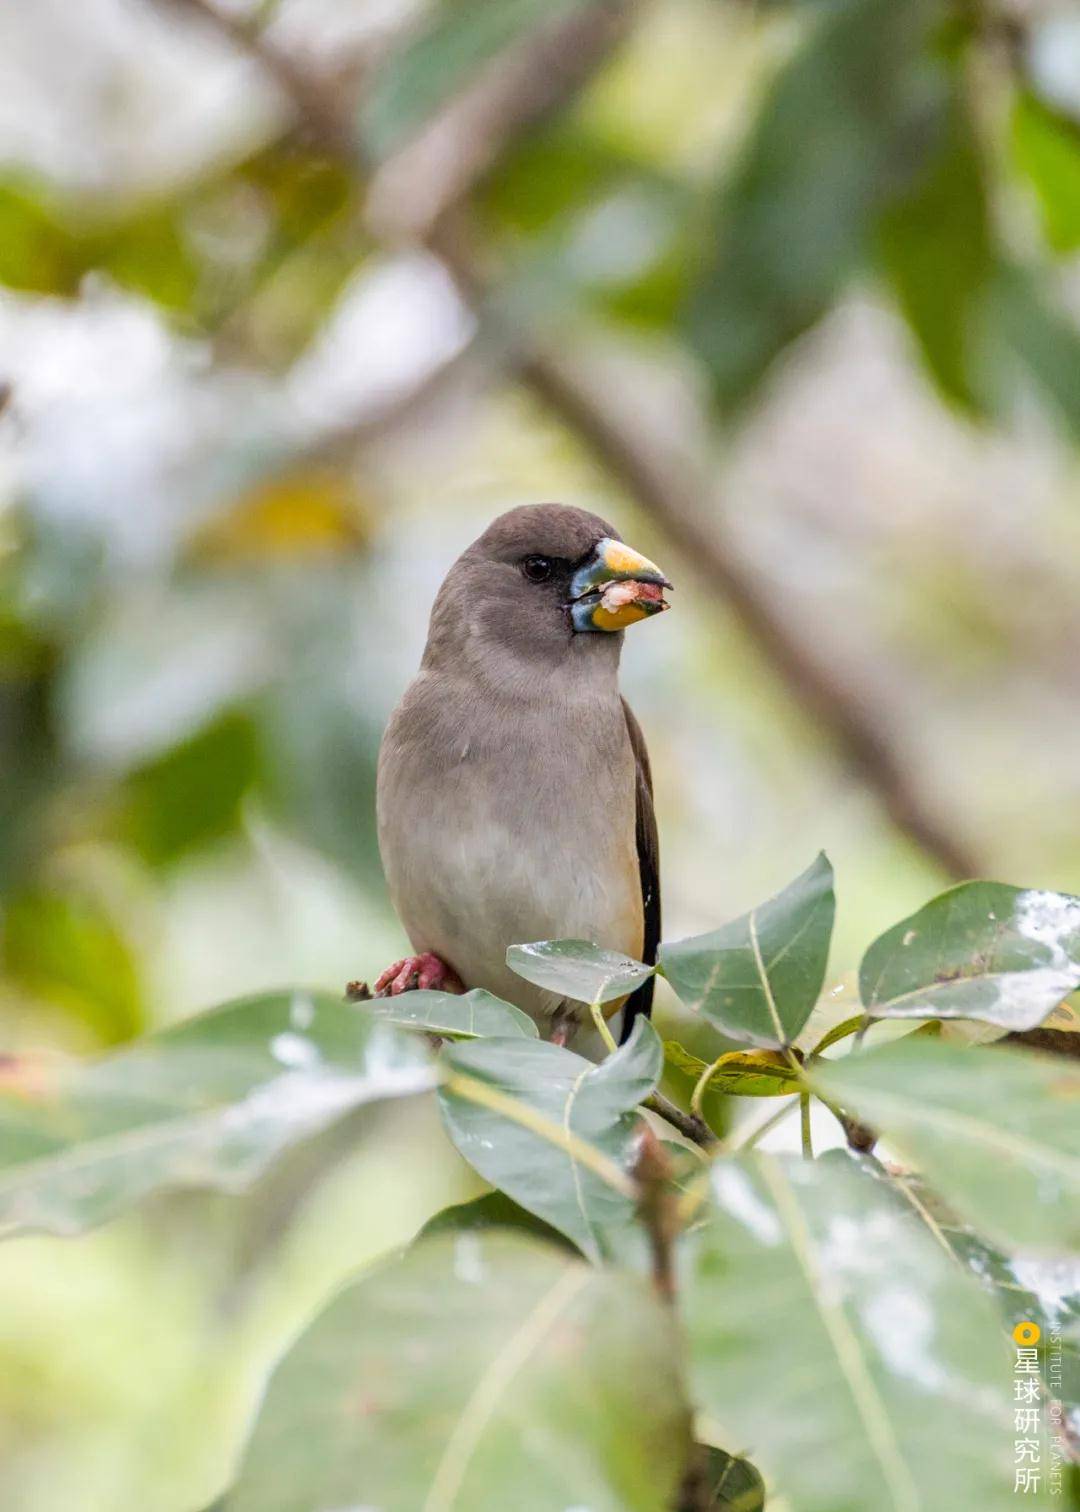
995	1131
1026	1288
473	1015
210	1102
595	1103
936	247
983	950
846	125
758	978
592	227
157	668
495	1210
557	172
44	250
527	1380
65	947
725	1483
193	793
289	517
453	43
1046	147
881	1336
578	969
740	1073
1044	338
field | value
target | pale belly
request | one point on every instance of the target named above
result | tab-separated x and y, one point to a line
493	853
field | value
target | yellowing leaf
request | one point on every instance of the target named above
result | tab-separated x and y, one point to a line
297	515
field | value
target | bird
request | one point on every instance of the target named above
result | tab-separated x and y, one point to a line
514	795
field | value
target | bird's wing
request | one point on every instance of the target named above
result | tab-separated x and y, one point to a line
648	854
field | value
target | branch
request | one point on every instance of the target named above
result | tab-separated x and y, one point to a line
658	1210
690	1127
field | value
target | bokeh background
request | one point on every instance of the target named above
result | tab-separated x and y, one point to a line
294	298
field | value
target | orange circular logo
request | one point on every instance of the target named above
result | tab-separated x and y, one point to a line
1027	1333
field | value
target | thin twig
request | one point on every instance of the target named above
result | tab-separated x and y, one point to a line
695	1129
658	1210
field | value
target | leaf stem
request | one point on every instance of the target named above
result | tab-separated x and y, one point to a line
688	1125
702	1084
597	1010
807	1137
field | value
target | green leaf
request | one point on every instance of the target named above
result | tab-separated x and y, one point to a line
210	1102
758	978
578	969
478	1371
880	1337
494	1210
983	950
63	946
845	126
740	1073
995	1131
474	1015
573	1096
728	1483
1025	1288
1044	338
936	247
440	59
192	794
1046	148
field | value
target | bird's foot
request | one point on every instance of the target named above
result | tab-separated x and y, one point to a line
563	1026
425	972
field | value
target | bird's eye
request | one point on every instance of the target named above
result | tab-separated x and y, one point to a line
537	568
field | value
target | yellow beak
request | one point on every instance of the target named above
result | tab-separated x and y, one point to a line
616	587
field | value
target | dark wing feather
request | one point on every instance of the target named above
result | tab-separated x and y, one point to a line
648	853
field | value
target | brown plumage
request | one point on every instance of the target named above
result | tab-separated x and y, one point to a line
514	792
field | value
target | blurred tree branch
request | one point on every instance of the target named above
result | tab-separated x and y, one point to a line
419	193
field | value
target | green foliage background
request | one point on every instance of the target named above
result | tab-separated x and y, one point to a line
818	260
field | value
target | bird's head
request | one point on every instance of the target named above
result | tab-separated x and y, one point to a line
543	575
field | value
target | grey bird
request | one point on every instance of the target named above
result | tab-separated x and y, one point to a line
514	791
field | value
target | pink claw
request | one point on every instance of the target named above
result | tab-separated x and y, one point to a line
425	972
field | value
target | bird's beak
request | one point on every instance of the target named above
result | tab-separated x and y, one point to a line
615	587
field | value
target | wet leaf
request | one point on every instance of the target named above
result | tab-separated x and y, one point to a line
1025	1288
210	1102
473	1015
882	1335
477	1371
983	950
578	969
995	1131
593	1102
758	978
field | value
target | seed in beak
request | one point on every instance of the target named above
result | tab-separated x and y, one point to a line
619	595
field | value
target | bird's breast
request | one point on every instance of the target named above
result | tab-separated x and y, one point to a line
496	830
